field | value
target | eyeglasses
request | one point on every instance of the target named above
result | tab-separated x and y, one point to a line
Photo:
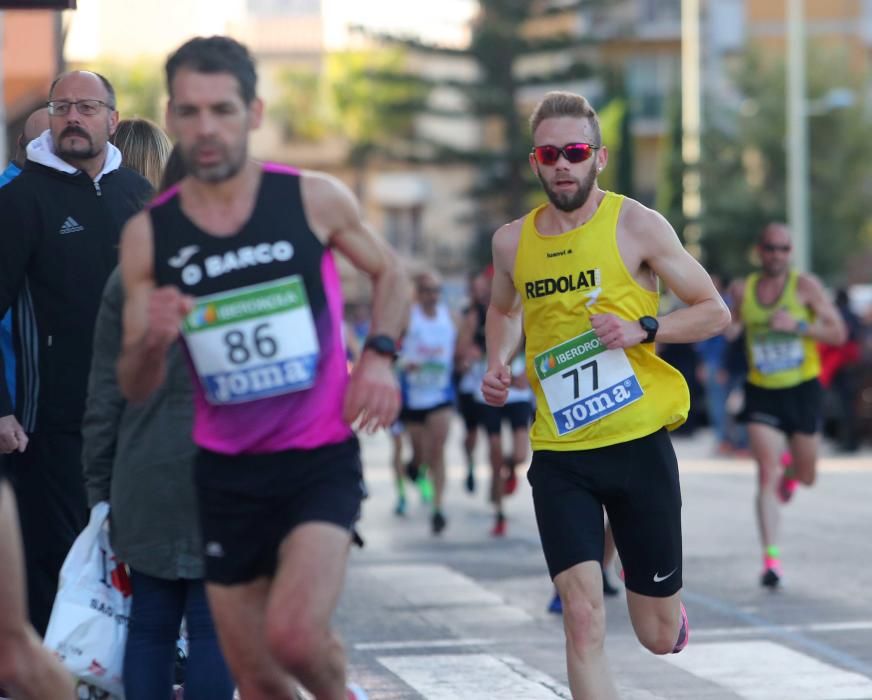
573	152
87	108
772	248
429	290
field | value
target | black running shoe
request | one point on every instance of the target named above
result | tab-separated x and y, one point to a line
438	522
412	470
770	579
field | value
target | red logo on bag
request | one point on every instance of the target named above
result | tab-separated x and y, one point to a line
96	669
118	578
121	579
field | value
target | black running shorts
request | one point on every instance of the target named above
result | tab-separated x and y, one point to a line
518	414
249	503
467	406
797	409
413	416
637	482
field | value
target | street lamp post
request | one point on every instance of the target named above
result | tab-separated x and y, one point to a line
798	209
691	123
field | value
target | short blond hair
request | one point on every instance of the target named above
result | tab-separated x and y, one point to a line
559	103
144	148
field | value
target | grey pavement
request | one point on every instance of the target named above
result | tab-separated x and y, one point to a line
463	616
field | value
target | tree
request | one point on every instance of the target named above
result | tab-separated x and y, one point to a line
615	123
139	87
502	49
744	166
299	110
372	114
670	189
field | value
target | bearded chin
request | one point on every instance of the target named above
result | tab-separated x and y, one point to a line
220	172
570	201
80	153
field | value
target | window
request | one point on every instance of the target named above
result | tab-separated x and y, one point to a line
651	78
659	10
866	21
726	24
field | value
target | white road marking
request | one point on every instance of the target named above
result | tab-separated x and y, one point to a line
424	585
859	626
763	670
422	644
473	677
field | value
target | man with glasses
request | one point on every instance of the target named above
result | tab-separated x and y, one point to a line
580	273
59	230
785	314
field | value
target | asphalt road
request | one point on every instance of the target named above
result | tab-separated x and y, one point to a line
463	616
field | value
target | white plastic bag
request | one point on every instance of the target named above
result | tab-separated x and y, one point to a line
88	624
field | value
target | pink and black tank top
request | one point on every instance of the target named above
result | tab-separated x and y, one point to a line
265	337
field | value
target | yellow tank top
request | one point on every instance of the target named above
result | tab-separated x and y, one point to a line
586	395
777	360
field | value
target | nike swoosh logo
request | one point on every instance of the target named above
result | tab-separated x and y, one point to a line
658	578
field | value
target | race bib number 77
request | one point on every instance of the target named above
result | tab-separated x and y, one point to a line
253	342
583	381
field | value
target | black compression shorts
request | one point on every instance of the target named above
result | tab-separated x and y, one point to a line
637	483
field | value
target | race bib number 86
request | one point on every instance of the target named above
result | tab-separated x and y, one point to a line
583	381
253	342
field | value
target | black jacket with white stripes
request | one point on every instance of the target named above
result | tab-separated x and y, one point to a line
59	233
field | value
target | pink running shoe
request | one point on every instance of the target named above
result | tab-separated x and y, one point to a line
355	692
787	483
683	633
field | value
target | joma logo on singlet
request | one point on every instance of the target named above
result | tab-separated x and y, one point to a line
292	373
585	279
217	265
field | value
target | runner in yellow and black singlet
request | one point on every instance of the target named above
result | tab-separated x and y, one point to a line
582	271
785	314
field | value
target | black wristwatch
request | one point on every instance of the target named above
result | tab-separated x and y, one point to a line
650	325
382	345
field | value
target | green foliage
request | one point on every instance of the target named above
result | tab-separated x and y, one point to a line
139	87
300	109
670	189
611	117
373	101
744	165
498	44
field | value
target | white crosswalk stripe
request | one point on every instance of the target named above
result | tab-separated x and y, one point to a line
752	669
763	670
473	677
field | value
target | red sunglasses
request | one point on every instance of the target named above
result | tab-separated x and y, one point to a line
573	152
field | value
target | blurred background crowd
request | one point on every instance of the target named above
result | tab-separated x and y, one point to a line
722	114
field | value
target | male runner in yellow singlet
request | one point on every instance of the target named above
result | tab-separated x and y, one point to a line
785	314
582	271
